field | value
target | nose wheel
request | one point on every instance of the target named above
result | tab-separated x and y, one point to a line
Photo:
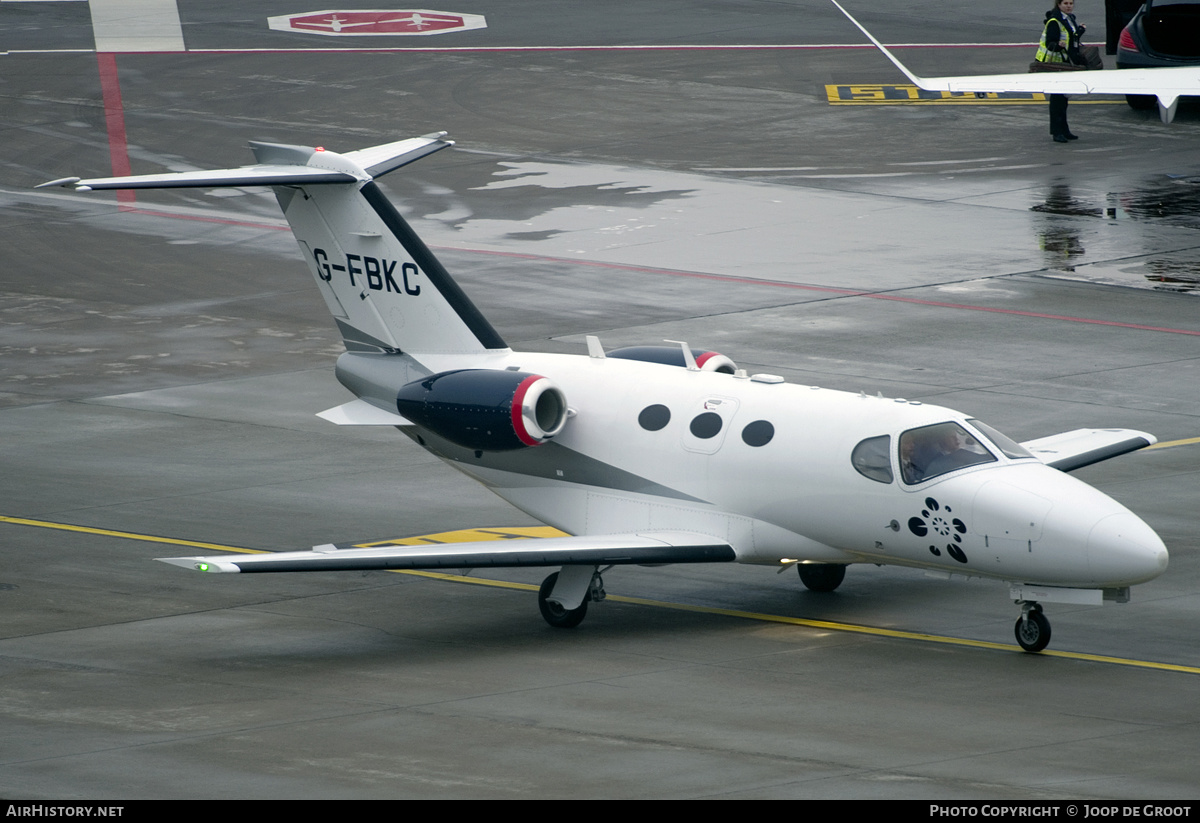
1032	629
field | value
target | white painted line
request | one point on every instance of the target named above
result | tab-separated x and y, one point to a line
136	25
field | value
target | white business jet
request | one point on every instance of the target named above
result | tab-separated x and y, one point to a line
1167	85
667	454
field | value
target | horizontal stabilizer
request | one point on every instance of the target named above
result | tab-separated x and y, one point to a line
219	178
279	165
1083	447
379	160
643	548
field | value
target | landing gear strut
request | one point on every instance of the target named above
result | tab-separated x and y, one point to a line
821	577
559	616
1032	629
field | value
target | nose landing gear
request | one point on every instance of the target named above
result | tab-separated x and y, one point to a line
1032	629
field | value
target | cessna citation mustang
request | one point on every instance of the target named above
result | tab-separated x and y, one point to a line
653	455
1167	84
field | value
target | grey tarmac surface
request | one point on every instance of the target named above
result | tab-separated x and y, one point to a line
161	365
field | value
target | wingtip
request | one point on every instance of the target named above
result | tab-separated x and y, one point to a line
63	182
200	564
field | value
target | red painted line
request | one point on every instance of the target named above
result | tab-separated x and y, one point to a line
832	290
726	278
114	120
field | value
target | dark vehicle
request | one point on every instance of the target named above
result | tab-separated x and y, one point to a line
1158	35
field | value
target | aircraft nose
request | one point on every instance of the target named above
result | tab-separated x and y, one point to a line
1122	551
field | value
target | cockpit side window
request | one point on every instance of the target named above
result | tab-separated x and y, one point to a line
873	460
931	451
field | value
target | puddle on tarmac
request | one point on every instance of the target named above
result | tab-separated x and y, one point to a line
1177	271
1172	200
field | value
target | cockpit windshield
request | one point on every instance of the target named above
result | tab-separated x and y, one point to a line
931	451
1003	442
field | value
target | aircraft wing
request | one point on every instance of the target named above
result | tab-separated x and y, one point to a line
1167	84
640	548
1083	447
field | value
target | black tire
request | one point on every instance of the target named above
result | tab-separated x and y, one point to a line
821	577
556	615
1141	102
1033	632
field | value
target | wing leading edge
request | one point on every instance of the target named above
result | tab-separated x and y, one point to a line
640	548
1166	84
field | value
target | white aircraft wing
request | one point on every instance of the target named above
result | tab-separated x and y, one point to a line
640	548
1083	447
1167	84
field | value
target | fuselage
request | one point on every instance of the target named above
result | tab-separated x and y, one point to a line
771	467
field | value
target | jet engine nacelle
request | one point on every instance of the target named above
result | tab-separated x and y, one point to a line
673	356
485	409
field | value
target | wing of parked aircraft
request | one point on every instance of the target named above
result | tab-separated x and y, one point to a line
1083	447
1165	84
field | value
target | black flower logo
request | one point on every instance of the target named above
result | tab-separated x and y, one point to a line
939	520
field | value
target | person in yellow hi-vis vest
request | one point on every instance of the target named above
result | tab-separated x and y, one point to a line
1060	44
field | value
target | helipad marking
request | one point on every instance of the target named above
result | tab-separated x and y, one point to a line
890	94
377	22
520	532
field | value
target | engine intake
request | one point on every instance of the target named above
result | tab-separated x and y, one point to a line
485	409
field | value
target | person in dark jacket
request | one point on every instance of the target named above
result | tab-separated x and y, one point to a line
1060	44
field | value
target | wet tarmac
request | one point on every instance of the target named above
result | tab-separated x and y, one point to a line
161	364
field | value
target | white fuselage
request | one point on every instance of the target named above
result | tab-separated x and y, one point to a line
798	496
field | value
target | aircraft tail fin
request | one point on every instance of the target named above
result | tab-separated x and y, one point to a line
386	290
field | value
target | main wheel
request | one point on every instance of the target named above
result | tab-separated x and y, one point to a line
821	577
556	615
1141	102
1033	631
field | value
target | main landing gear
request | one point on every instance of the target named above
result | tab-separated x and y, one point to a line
575	579
1032	629
821	577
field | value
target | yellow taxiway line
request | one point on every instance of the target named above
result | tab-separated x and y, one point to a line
1190	441
521	532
